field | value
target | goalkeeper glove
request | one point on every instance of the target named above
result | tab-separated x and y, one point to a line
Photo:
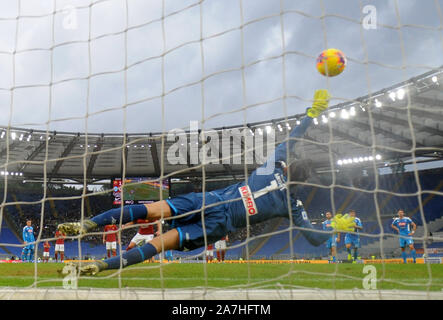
320	104
343	223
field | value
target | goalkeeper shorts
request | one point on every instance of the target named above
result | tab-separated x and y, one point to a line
190	226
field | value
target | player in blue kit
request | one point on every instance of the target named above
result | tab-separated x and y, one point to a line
403	226
28	239
268	193
353	239
331	243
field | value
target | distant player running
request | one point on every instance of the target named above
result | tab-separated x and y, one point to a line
331	243
352	240
403	226
28	239
144	234
270	192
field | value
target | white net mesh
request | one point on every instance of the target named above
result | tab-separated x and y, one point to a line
92	90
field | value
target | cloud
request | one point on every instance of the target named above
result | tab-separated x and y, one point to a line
135	62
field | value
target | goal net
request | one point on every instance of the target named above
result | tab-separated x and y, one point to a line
109	103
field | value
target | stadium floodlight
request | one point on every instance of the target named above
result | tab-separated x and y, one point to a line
21	137
401	93
13	135
378	104
355	160
21	174
392	95
345	161
324	119
340	162
260	131
366	159
344	114
371	158
2	173
378	157
3	134
315	121
289	127
352	111
434	79
332	115
360	159
29	138
268	129
279	127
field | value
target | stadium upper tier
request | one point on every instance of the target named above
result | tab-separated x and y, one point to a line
391	123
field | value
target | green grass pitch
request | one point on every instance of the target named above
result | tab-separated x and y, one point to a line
270	276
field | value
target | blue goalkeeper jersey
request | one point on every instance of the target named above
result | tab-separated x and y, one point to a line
266	195
28	234
403	225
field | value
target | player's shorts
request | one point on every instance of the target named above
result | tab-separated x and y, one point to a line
406	241
332	242
45	254
59	247
29	247
220	245
209	252
111	245
353	240
140	239
190	227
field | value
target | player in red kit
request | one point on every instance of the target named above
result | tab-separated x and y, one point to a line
209	252
46	247
144	234
110	238
220	246
59	246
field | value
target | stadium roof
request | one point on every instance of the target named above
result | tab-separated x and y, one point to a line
394	123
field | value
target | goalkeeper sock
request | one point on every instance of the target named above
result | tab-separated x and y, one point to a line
403	254
355	253
130	213
414	255
137	255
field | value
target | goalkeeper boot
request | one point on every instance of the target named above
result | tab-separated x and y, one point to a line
88	268
75	228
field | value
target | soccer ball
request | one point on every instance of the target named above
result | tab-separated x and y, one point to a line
331	62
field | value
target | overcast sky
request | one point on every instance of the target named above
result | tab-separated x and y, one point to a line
88	90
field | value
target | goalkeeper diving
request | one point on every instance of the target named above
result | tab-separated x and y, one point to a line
266	195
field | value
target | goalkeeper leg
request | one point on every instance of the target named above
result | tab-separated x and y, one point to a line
168	241
152	211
